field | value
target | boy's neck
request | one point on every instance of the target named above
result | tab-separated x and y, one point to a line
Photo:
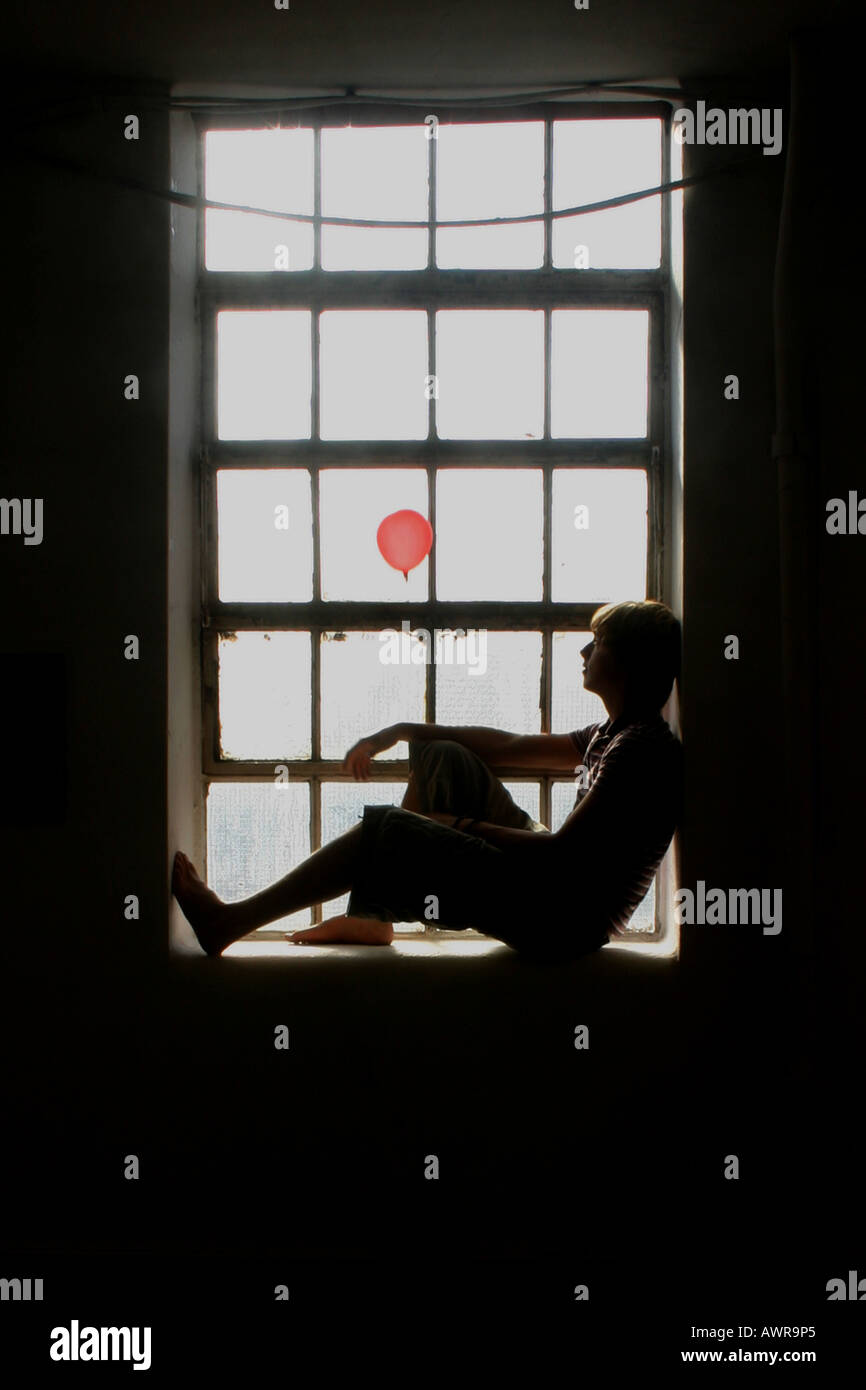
620	710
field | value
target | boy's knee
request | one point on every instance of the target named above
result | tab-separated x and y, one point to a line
435	750
435	745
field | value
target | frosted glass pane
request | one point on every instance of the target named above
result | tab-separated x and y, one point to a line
643	917
256	833
599	535
264	523
490	374
572	707
263	169
563	798
342	807
264	374
594	160
352	504
362	693
490	171
264	695
374	374
489	533
526	795
501	692
379	173
599	373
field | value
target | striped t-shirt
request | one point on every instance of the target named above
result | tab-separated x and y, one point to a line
634	767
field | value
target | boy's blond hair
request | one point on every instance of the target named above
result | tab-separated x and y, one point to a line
645	638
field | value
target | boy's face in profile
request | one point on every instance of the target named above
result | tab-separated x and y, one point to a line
601	670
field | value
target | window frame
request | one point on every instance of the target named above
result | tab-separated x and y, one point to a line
546	288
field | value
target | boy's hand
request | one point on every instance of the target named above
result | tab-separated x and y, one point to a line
360	755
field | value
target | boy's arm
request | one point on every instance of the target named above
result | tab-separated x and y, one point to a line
591	817
495	747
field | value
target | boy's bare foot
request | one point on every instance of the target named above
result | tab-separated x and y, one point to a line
205	912
364	931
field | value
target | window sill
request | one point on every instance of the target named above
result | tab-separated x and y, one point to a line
445	946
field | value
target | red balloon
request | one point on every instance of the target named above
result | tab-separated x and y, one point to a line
404	539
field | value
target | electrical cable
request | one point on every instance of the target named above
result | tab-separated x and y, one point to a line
191	200
214	105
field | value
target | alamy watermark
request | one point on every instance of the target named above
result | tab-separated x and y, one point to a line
21	1290
734	127
855	1290
846	519
76	1343
22	516
720	907
447	646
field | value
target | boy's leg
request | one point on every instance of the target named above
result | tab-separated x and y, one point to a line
445	776
327	873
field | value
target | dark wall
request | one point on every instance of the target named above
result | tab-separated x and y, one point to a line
86	303
834	746
121	1048
731	545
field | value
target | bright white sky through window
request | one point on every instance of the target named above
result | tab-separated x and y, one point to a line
378	173
374	363
483	170
490	171
263	169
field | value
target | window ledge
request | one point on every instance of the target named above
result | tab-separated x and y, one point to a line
456	946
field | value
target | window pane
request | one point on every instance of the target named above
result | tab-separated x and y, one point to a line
364	691
264	695
256	833
342	807
490	374
572	707
527	795
562	799
378	173
499	685
643	917
599	535
594	160
599	373
489	533
352	504
262	169
264	374
490	171
264	522
374	374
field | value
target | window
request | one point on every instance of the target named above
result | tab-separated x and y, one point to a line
507	382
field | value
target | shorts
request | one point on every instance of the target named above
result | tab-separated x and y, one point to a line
449	777
416	870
